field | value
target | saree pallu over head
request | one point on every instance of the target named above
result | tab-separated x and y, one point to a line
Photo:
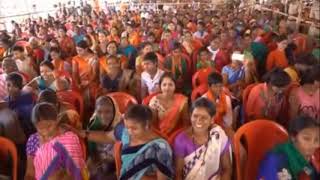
204	162
146	159
172	121
61	153
96	124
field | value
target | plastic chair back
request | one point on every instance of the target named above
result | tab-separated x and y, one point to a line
259	137
124	100
7	147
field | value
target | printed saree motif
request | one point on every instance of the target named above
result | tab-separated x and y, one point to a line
145	160
204	162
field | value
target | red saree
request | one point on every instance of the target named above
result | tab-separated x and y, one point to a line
172	120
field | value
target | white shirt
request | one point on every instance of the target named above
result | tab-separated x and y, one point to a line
151	84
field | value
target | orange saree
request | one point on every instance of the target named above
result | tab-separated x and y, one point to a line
104	66
87	75
173	120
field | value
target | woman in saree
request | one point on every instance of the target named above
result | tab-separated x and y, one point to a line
66	43
222	101
116	79
295	158
171	108
46	80
202	151
58	62
177	63
85	72
101	48
105	118
139	144
203	59
51	150
266	100
190	44
113	35
305	99
112	50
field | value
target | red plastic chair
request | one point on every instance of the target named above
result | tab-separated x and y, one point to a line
124	100
74	98
259	137
201	77
199	91
7	147
147	99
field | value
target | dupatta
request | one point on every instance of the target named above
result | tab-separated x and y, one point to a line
204	162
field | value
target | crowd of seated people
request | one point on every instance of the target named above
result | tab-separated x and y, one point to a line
112	95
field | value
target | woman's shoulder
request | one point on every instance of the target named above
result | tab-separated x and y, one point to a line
182	136
154	100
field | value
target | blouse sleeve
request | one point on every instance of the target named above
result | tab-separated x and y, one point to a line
178	146
32	145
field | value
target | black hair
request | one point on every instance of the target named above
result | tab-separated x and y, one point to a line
150	56
48	64
44	111
55	49
302	122
63	28
104	100
203	49
306	59
214	78
166	75
112	42
176	45
281	38
315	71
48	96
139	113
204	103
145	44
83	44
151	34
16	79
307	77
277	77
289	51
18	48
201	23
